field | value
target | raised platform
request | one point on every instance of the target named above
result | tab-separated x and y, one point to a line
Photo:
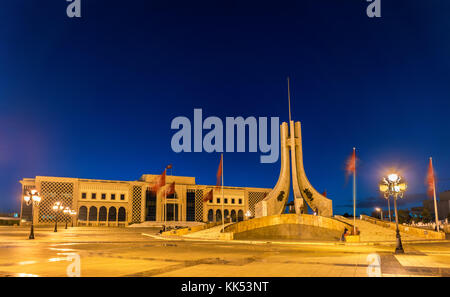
167	223
288	227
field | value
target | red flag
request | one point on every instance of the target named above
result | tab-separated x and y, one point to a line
169	166
351	163
219	172
160	182
430	180
208	196
170	189
324	193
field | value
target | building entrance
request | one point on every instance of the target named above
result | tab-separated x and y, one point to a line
172	212
150	206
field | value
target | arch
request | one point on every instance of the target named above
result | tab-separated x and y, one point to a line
102	213
218	215
210	215
233	215
82	213
112	214
121	217
226	214
240	215
93	213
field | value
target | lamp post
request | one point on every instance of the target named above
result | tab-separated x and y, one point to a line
389	208
381	212
248	214
32	197
395	186
72	214
57	207
66	211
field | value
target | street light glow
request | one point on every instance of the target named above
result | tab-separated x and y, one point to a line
393	177
392	187
384	188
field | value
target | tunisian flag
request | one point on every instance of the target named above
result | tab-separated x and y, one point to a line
430	180
219	172
350	167
160	182
208	196
170	189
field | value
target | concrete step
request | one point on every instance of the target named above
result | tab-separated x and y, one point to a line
211	233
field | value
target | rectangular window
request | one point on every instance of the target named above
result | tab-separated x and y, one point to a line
232	201
122	196
83	195
113	196
218	200
94	195
103	196
240	201
225	200
190	206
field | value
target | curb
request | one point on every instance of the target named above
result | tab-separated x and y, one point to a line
255	242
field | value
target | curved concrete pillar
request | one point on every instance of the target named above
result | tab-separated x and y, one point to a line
313	198
275	202
300	206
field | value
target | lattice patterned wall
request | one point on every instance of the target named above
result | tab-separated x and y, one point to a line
52	192
253	198
198	205
136	204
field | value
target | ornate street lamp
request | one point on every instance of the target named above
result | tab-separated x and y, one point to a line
381	212
72	214
66	211
32	197
57	207
394	185
248	214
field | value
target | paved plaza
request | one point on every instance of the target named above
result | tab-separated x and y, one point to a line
142	252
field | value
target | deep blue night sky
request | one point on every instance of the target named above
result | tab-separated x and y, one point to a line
94	97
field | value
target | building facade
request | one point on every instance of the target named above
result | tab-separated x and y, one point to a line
120	203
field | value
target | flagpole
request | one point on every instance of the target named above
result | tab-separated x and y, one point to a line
165	199
165	207
354	192
289	100
389	207
223	220
434	196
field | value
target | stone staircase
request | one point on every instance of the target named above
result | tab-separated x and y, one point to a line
159	224
211	233
373	233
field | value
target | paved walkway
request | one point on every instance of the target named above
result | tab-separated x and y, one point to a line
126	252
373	233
